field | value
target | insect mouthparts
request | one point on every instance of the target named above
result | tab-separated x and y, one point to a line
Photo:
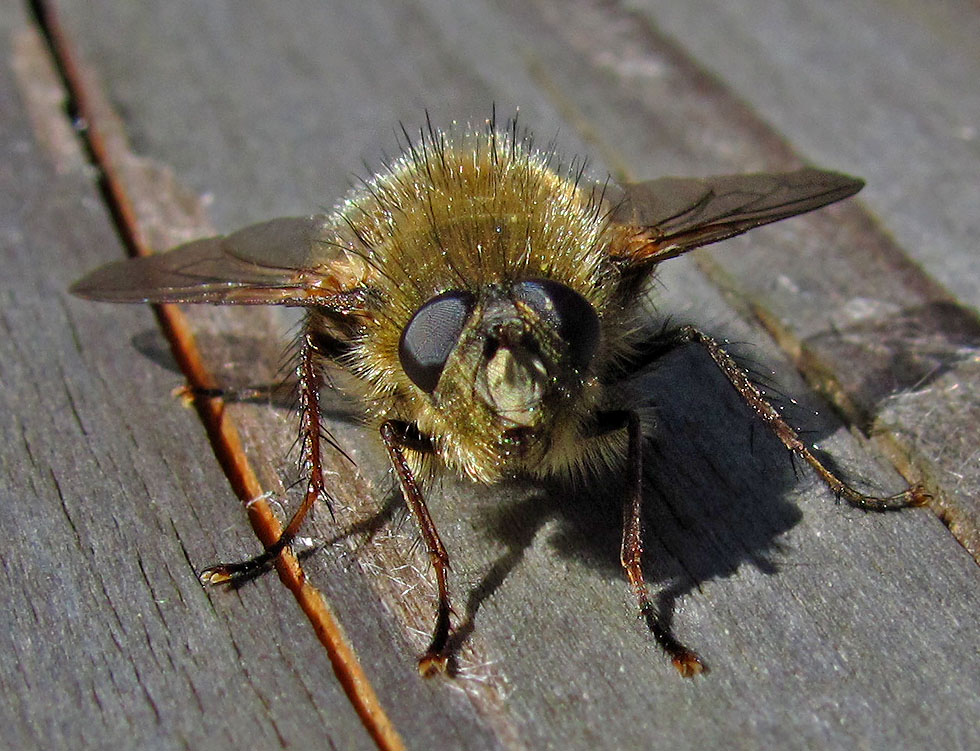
514	381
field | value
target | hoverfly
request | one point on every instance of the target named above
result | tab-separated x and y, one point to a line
488	305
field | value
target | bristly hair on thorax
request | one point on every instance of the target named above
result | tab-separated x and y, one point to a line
471	210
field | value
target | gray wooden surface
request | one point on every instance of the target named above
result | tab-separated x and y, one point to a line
823	626
108	639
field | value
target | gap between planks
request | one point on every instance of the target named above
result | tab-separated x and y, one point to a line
105	150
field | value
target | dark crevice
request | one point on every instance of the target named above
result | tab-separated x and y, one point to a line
77	111
84	116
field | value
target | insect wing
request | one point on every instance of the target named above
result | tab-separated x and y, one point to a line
268	263
674	215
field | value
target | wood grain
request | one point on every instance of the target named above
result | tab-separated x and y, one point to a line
108	638
895	101
823	626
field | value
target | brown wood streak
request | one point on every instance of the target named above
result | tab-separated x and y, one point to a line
222	432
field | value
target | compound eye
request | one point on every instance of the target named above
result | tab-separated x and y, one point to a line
431	335
569	314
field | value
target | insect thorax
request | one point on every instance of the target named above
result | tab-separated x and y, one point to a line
482	214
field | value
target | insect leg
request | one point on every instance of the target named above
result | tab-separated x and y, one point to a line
395	437
686	661
310	381
739	378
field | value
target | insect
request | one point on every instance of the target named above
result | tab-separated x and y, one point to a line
487	304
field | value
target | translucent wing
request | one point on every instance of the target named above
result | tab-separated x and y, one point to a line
674	215
283	261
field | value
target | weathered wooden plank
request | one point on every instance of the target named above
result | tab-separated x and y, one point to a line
810	643
108	640
894	99
443	719
885	89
